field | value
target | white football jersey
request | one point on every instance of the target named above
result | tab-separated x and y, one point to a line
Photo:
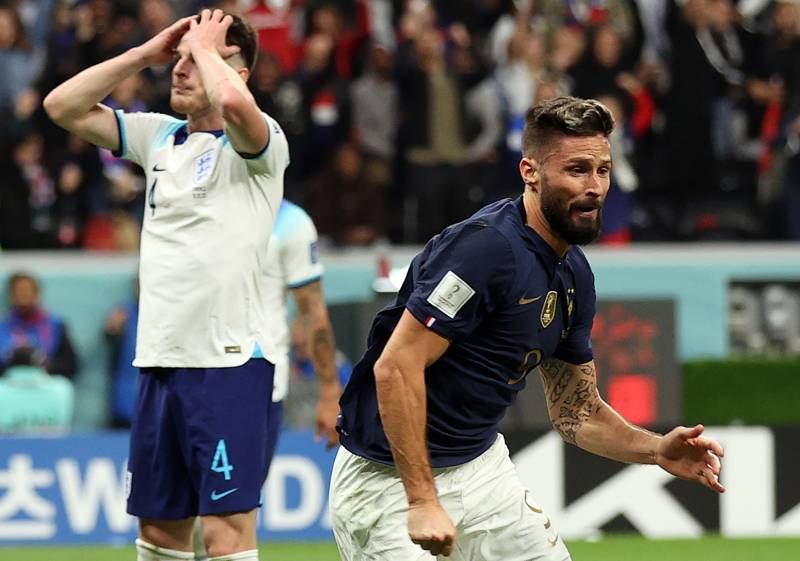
292	262
208	217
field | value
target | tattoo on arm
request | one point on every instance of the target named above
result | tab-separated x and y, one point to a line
322	353
571	393
313	313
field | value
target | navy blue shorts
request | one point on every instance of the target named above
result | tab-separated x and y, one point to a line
202	440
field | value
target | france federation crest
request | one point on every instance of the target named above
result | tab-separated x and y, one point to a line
204	166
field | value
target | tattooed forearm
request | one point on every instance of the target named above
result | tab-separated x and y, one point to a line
322	354
315	322
572	396
555	375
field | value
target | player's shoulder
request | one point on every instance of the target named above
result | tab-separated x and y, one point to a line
480	233
291	221
482	241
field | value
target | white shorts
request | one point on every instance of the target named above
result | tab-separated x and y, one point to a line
496	518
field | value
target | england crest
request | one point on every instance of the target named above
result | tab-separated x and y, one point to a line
204	166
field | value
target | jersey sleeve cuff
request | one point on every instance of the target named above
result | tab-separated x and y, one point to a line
304	282
574	358
261	152
122	151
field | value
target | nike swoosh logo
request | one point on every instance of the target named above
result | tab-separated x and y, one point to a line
156	168
215	496
522	301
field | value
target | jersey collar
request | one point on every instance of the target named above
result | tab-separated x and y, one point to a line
547	254
183	133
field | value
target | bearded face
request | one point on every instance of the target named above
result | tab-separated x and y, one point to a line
578	222
574	176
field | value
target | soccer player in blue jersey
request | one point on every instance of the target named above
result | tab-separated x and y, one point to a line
202	428
422	469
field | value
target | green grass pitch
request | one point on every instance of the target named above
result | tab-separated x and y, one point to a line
616	548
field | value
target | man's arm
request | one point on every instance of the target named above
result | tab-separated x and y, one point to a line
75	104
581	417
227	91
400	384
315	321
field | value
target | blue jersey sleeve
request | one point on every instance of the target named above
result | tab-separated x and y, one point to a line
466	273
577	347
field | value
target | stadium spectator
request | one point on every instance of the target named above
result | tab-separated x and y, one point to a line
29	195
326	104
375	97
21	61
29	326
619	204
603	63
120	331
278	93
434	130
346	206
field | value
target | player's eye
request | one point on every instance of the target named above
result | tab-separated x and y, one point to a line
604	171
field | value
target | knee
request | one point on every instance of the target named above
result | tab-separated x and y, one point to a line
226	540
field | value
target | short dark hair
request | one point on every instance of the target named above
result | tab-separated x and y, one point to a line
565	115
241	34
21	276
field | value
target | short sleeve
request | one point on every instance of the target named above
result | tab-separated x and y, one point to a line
300	249
138	133
577	347
274	158
466	275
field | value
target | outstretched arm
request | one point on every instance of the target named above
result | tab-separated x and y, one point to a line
400	383
315	321
581	417
75	104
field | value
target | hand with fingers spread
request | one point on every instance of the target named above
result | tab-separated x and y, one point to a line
160	49
685	453
430	527
209	32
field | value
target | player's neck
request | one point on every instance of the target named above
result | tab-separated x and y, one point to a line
534	218
207	120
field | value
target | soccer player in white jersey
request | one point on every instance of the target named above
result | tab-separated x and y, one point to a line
200	437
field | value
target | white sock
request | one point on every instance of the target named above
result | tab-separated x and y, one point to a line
250	555
149	552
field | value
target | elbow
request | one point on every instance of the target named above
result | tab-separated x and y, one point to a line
53	107
233	105
567	429
382	370
385	373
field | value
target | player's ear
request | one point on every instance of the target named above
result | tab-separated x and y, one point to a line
244	73
529	171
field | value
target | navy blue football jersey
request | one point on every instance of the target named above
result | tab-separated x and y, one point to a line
505	301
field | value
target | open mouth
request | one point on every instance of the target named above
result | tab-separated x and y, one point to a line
586	210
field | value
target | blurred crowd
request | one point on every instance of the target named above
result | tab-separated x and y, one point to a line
406	115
